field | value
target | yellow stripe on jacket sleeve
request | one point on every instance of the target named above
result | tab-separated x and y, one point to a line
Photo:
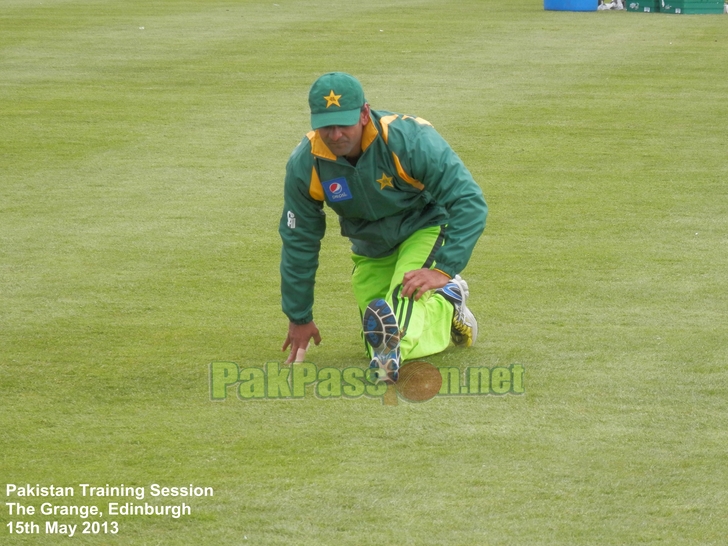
404	176
421	121
315	189
384	122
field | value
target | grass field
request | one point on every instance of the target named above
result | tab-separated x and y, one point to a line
142	151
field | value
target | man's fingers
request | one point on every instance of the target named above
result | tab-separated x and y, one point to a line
300	355
297	354
414	287
292	355
418	281
299	340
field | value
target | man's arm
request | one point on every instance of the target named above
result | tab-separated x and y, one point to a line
302	226
431	160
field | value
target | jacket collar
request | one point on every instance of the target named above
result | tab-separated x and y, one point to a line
319	149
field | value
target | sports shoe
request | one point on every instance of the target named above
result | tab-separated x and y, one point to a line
464	331
382	334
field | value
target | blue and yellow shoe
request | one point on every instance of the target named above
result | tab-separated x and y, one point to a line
382	334
464	331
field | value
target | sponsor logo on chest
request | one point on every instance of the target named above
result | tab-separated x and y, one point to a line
337	190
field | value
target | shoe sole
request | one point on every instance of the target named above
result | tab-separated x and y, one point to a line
381	332
380	326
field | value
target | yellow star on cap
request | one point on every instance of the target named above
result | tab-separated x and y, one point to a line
385	181
332	99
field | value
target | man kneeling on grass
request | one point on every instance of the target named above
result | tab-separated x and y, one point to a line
411	210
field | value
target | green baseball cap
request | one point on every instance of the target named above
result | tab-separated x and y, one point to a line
335	98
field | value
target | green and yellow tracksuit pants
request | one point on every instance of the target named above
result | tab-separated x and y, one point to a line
425	324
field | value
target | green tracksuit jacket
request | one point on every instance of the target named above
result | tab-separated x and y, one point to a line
406	179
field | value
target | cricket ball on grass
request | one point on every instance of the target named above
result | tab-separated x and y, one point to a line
418	381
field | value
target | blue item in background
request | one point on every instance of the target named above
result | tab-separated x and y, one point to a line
570	5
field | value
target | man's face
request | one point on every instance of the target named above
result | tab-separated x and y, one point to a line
345	140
